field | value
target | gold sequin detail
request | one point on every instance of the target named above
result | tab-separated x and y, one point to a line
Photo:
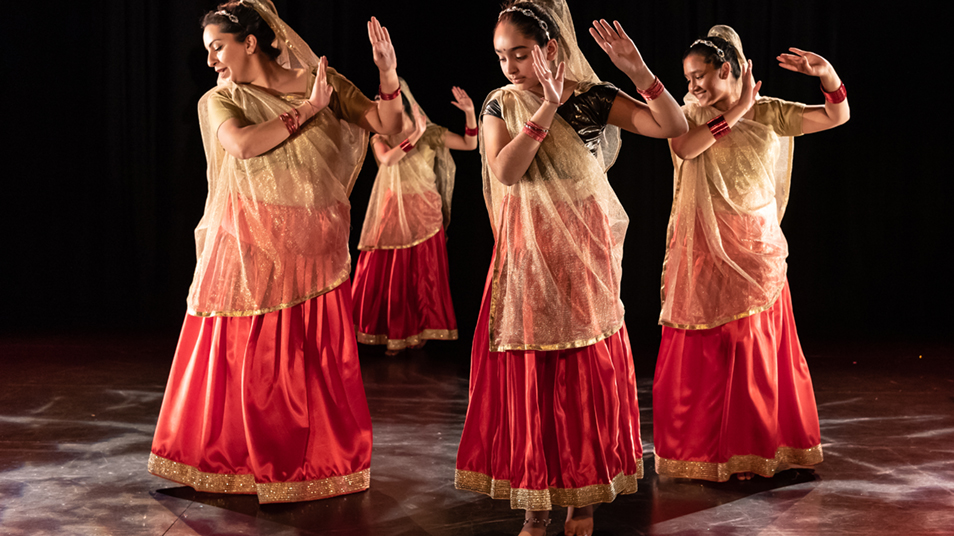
720	472
413	340
405	246
544	499
314	489
198	480
269	492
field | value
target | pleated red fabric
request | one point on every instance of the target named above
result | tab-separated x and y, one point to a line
272	405
551	428
402	296
734	398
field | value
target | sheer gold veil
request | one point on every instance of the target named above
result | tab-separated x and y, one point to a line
295	52
727	33
444	167
579	69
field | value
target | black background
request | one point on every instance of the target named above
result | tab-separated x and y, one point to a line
106	171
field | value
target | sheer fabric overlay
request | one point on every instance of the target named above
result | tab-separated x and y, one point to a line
725	256
559	241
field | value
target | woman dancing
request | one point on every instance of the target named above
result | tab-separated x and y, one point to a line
732	393
553	417
401	290
265	394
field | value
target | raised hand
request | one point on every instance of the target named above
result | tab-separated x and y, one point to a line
805	62
381	45
551	83
618	46
322	90
462	101
750	88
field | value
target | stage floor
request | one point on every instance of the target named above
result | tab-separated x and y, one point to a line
77	415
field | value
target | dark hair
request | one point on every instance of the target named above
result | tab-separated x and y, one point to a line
249	23
711	55
528	25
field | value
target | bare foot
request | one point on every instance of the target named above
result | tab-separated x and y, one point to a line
535	523
579	521
744	476
391	352
419	345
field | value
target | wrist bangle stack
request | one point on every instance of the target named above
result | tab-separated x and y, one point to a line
291	123
389	96
535	131
836	96
406	145
470	131
654	90
718	127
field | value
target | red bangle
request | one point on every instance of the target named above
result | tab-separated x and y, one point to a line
406	145
536	128
654	90
539	136
291	123
836	96
389	96
470	131
718	127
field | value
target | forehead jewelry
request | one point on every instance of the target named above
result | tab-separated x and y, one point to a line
530	14
228	15
708	43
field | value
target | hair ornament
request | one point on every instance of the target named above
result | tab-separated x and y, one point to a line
528	13
710	44
230	16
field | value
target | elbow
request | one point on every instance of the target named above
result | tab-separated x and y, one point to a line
675	127
505	178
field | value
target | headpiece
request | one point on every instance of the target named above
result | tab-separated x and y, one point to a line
731	37
230	16
710	44
530	14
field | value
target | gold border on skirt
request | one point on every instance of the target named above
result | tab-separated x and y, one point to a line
268	492
413	340
411	245
544	499
720	472
341	279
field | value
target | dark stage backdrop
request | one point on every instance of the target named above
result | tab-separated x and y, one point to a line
108	174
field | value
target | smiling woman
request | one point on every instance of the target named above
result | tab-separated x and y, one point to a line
265	395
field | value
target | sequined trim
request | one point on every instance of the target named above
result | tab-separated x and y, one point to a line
198	480
268	492
726	320
341	279
720	472
412	244
544	499
310	490
413	340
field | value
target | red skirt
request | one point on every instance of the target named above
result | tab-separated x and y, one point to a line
735	398
402	296
271	405
550	428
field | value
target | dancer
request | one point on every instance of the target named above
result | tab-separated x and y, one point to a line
732	393
553	416
401	291
265	394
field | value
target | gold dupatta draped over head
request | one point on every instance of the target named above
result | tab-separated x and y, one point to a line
410	200
725	256
275	228
559	231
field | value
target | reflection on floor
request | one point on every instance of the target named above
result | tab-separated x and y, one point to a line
77	415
